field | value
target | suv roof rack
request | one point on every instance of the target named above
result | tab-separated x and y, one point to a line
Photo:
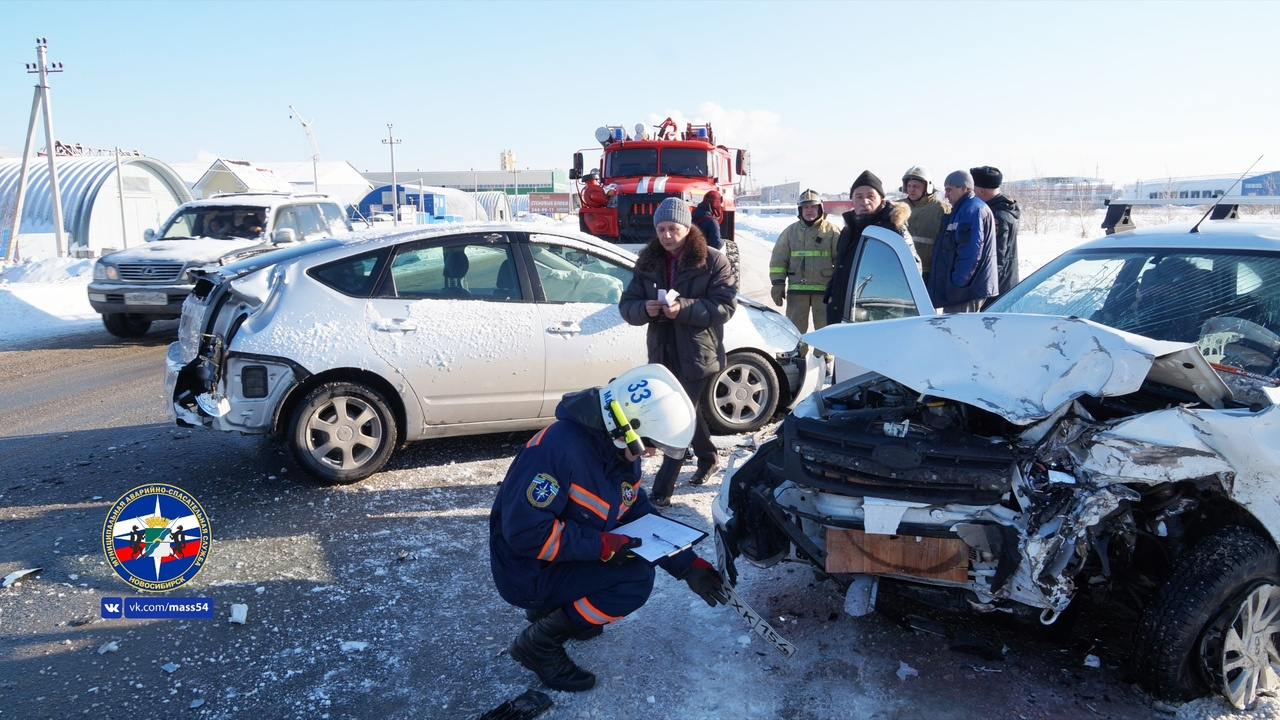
1119	217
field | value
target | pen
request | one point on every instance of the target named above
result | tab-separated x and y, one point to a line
656	536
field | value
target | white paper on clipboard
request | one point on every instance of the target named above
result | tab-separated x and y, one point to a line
659	536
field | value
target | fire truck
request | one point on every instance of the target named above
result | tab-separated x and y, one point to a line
637	173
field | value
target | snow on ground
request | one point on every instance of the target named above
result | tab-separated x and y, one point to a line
45	298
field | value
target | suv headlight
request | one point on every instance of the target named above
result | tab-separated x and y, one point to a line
103	271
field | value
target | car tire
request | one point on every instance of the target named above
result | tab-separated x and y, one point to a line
125	325
342	432
1213	625
743	396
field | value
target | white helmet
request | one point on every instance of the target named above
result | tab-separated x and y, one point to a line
647	403
916	172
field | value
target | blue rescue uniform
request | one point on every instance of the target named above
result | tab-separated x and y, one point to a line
566	486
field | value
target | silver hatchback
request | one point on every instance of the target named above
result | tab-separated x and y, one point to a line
347	347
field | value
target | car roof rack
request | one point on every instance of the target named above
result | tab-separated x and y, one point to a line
248	194
1119	217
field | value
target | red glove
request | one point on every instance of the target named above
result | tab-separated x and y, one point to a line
705	581
615	547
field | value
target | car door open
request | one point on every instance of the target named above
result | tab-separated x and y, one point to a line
884	285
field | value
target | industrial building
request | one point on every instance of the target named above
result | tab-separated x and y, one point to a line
1061	191
1205	186
521	182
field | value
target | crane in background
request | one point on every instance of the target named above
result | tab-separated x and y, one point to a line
315	151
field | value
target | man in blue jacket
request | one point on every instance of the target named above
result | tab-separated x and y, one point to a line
964	269
552	549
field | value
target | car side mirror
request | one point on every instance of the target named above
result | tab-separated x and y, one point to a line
284	236
575	172
149	234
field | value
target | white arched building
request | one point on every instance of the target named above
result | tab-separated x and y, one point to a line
102	210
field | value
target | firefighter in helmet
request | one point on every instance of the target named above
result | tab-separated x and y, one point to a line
926	213
802	263
552	546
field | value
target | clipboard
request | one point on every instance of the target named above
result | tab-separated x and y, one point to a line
660	537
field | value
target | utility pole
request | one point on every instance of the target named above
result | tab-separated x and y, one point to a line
315	151
124	221
395	189
38	104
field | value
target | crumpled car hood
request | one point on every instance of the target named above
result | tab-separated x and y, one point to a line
1020	367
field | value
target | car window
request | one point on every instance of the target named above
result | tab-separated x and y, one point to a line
1227	303
304	219
221	221
571	275
334	218
482	271
880	291
355	276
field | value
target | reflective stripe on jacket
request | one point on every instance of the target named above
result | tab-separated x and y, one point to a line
804	256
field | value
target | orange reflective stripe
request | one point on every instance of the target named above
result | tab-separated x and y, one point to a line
589	501
551	547
592	614
537	438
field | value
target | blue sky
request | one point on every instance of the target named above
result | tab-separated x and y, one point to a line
818	91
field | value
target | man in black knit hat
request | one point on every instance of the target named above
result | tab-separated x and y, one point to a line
869	208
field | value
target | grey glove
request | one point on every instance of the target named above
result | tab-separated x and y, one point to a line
779	292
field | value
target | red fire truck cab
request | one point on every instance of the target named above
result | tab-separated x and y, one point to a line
637	173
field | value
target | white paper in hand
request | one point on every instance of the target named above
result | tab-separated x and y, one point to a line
668	296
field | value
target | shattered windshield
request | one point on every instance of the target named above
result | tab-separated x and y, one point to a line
1228	303
228	222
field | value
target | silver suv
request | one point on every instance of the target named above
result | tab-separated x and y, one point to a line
135	286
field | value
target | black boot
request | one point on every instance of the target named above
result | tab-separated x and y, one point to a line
586	633
664	483
704	471
540	648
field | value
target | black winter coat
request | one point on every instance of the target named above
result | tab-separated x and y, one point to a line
707	223
891	216
692	345
1007	213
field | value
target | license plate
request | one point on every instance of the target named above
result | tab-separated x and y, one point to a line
146	298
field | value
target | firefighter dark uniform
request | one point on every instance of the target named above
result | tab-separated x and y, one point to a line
549	531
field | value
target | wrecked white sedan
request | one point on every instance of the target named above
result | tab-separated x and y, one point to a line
1014	459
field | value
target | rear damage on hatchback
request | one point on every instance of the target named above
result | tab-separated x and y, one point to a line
1012	463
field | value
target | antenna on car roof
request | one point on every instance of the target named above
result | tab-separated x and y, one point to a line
1196	228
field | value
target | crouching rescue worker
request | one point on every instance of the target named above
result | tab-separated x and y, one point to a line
551	546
